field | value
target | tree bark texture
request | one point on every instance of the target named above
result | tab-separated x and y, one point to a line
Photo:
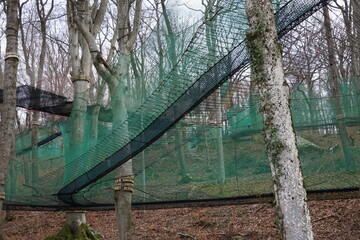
80	75
267	69
219	138
75	220
126	36
172	59
8	107
356	23
123	198
126	41
43	17
350	29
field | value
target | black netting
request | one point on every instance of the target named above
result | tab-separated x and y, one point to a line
32	98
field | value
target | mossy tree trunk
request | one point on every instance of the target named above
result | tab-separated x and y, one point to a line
75	228
267	69
80	61
74	220
8	107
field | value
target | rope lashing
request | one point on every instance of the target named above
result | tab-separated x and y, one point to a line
125	183
11	55
80	78
35	123
2	195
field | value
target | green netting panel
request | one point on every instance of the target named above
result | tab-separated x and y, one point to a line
226	29
316	110
351	100
195	60
159	178
216	151
31	165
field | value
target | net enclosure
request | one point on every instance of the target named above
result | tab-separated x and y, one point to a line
190	123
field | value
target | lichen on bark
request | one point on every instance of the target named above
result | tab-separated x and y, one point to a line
267	72
253	44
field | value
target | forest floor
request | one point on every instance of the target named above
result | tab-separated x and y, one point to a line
332	219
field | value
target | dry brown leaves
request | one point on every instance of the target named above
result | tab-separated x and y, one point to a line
332	219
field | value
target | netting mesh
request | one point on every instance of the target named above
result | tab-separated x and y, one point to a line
36	99
190	124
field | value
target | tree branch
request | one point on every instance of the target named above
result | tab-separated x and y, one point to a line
99	18
133	33
100	64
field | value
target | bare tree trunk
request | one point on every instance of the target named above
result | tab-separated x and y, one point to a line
126	36
217	114
207	153
81	61
126	41
143	175
1	74
74	220
336	93
7	108
123	197
185	177
76	228
356	23
265	55
30	72
350	33
43	16
80	75
34	138
219	137
161	50
124	186
252	99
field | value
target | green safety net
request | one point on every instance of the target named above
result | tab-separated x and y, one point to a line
189	121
